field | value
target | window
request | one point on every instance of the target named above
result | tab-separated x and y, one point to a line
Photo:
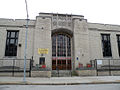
106	46
61	45
118	41
11	43
54	46
61	42
68	46
42	61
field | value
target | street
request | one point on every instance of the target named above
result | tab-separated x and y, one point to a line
62	87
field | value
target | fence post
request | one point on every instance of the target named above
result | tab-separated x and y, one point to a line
13	67
30	68
90	62
94	63
57	70
96	66
71	72
109	67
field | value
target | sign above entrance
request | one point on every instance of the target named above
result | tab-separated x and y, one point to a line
42	51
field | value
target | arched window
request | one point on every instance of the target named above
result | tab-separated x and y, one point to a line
61	52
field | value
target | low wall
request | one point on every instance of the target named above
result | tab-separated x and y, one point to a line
40	73
93	72
48	73
115	73
16	74
86	72
5	74
108	73
103	73
33	74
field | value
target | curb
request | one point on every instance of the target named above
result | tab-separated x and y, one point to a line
29	83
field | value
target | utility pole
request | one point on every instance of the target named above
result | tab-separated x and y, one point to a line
26	33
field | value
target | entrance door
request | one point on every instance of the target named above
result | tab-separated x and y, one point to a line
61	52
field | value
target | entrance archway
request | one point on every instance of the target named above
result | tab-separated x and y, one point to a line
61	51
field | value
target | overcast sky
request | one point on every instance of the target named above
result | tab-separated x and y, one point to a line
96	11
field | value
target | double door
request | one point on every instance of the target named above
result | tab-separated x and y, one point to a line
61	64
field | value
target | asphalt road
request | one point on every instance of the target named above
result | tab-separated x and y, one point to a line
62	87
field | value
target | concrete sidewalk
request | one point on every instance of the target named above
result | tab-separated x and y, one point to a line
60	80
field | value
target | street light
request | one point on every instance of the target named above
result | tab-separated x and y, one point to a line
26	33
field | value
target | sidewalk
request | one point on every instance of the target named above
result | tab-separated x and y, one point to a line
59	80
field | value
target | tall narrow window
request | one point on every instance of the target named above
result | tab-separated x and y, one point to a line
11	43
106	46
118	41
61	52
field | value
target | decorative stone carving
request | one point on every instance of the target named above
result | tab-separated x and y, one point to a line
62	23
69	24
60	20
54	23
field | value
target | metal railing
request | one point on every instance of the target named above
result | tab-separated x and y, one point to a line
106	65
15	65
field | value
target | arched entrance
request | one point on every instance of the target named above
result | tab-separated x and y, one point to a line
61	51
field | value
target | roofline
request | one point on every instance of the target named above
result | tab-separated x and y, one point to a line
61	14
104	24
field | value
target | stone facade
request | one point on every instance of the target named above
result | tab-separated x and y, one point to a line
85	37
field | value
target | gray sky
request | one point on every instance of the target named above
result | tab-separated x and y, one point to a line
96	11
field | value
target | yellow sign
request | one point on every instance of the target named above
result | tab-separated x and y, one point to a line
42	51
